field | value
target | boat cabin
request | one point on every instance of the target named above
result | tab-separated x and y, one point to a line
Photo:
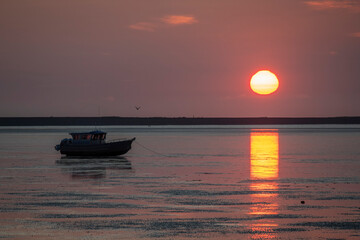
94	136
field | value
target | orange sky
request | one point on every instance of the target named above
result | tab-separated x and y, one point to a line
178	58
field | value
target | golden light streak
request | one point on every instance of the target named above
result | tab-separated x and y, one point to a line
264	165
264	155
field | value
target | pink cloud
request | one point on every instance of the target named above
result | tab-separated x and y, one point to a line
144	26
352	5
179	19
356	34
172	20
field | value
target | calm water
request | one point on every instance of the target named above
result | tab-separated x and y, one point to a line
233	182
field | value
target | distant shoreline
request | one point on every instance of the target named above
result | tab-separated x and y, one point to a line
85	121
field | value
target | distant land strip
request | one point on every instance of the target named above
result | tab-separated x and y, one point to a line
88	121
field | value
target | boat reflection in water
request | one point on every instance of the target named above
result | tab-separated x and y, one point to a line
92	167
264	168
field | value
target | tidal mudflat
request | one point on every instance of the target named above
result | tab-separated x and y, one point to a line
207	182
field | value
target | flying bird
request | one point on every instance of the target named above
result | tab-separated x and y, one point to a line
137	108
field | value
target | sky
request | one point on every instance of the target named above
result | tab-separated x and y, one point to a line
172	58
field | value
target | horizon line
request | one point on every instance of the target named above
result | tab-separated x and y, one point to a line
108	116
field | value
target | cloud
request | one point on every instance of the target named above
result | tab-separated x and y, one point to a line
178	19
356	34
144	26
110	98
169	20
352	5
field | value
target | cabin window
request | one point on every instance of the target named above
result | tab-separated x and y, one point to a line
85	137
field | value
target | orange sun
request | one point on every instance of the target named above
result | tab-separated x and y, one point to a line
264	82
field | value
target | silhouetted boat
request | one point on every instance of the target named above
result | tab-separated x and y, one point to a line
93	144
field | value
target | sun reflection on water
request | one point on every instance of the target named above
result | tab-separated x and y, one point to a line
264	155
264	167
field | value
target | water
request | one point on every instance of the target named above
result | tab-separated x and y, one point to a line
194	182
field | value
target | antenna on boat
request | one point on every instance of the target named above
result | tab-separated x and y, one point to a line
97	124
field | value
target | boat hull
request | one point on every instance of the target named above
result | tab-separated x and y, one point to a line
93	149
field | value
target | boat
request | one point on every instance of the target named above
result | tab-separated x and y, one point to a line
93	144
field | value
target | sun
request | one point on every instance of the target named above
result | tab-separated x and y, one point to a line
264	82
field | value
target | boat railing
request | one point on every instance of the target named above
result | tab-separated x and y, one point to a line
116	140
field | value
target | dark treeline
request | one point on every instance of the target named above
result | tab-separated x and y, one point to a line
78	121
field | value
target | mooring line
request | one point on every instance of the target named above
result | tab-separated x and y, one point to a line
151	150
